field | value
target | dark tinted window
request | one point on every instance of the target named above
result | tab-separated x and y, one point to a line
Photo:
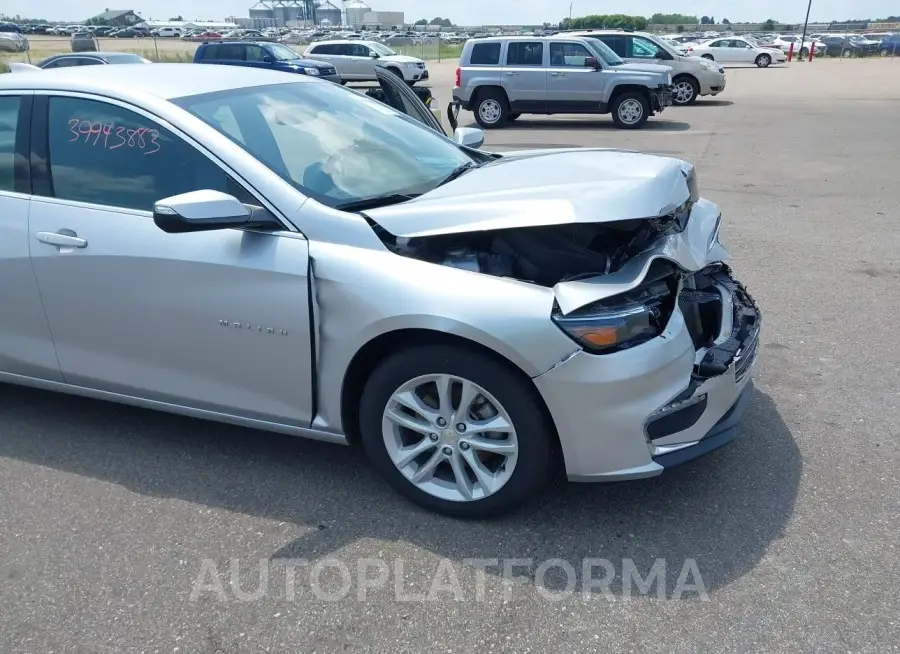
525	54
64	62
616	43
485	54
323	49
107	155
225	52
9	118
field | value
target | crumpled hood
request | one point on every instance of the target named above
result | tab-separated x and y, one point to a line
536	188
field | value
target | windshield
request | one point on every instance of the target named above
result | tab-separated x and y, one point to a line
332	143
282	52
383	50
604	52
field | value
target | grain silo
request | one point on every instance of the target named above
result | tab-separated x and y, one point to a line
355	12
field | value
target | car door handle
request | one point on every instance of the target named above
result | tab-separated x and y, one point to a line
64	238
513	74
557	74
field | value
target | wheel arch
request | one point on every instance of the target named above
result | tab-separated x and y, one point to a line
483	88
619	89
377	349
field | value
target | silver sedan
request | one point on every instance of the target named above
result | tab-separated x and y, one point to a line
278	252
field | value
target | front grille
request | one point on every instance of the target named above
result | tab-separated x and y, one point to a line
328	71
702	308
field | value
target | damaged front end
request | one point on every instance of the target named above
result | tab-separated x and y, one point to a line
667	335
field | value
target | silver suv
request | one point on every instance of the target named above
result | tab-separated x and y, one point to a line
692	76
502	78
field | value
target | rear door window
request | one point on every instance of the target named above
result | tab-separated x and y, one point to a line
230	52
485	54
529	53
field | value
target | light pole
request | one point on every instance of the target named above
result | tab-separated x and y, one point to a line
805	24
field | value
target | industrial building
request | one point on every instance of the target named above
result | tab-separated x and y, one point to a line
308	13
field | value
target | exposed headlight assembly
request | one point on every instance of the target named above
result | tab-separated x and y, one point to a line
313	72
628	319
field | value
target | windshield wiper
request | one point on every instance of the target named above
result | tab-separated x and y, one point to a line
375	202
458	172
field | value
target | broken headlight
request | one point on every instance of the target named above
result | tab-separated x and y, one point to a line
628	319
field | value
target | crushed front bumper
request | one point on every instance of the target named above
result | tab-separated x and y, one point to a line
634	413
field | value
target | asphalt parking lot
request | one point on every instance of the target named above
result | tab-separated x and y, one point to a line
114	521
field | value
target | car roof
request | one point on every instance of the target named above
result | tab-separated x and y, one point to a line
555	37
342	41
133	81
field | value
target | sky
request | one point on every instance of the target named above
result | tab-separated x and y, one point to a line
475	12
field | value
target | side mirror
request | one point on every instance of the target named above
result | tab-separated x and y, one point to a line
374	55
470	137
592	62
200	211
267	59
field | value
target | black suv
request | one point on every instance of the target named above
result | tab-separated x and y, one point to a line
269	56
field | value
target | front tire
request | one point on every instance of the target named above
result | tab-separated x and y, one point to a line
455	431
513	117
630	110
763	61
492	109
685	90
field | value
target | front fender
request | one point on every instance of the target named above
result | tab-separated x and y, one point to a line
361	294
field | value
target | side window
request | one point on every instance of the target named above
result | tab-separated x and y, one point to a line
107	155
344	49
254	53
9	119
209	52
485	54
615	43
230	52
359	50
569	54
643	48
525	54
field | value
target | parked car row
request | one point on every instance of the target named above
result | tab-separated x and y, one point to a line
344	270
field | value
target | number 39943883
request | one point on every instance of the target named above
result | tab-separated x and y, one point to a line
109	136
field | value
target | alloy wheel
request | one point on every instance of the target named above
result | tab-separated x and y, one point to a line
683	92
450	438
